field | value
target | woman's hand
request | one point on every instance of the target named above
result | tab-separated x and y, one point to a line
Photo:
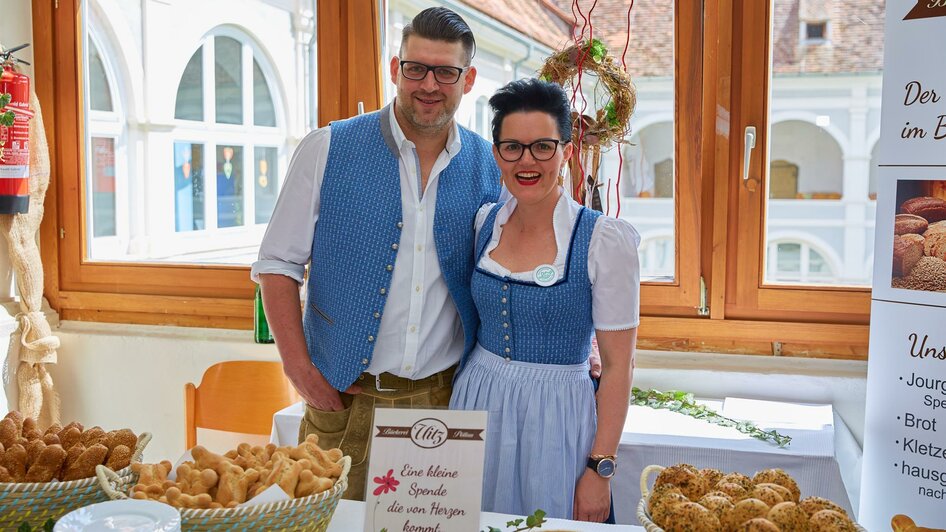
592	498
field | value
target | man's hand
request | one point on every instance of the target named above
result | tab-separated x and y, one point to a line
595	359
592	498
315	390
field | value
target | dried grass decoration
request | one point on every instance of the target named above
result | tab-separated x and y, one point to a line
608	126
609	123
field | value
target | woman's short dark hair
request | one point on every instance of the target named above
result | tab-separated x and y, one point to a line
441	24
532	95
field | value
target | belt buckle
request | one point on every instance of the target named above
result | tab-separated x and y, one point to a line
377	385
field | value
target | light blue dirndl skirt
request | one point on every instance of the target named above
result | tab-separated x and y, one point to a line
541	427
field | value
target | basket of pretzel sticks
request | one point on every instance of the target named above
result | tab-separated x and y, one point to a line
248	488
687	498
45	474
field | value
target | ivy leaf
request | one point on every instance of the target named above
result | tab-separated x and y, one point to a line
536	520
7	118
5	99
24	527
494	529
49	525
516	522
597	50
611	114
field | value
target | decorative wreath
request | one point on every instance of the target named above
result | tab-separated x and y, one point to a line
610	122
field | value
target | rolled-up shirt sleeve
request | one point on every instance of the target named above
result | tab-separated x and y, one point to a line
614	271
287	243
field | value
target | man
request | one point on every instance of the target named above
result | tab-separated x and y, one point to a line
381	206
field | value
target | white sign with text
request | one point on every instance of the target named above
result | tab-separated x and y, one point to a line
425	473
903	483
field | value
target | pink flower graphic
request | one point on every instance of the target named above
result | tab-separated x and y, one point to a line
386	483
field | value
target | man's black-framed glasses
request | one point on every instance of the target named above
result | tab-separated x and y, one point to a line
446	74
542	149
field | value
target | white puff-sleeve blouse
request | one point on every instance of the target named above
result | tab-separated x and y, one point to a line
613	264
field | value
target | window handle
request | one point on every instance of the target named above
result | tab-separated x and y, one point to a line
747	158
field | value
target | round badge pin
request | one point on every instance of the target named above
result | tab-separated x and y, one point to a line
544	275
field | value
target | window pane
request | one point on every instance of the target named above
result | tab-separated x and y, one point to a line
228	80
265	183
789	258
229	186
824	111
263	112
103	186
190	91
100	94
192	187
188	187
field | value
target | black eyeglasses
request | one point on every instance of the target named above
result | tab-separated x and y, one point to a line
446	74
541	150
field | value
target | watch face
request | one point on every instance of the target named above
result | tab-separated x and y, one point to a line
606	467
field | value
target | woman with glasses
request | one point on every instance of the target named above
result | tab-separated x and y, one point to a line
549	274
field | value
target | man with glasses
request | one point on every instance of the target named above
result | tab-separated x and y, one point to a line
381	207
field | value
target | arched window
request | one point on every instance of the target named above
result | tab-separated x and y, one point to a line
226	152
793	261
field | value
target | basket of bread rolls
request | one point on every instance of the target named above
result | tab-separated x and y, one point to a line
685	498
216	491
45	474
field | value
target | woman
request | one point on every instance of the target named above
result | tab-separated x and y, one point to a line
549	274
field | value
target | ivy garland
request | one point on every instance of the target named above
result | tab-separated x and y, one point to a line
683	403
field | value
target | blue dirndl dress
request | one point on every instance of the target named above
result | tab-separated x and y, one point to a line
529	371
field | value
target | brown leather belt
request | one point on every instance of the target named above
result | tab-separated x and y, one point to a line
388	382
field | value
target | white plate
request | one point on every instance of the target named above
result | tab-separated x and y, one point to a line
125	516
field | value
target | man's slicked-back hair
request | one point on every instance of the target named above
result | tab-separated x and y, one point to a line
441	24
530	94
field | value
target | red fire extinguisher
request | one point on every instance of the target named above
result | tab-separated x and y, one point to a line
15	140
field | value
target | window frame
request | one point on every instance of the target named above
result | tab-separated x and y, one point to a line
748	296
719	68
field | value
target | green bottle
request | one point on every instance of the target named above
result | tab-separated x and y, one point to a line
261	332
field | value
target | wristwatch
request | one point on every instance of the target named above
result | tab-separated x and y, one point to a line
603	465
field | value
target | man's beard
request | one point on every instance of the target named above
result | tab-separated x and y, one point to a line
435	123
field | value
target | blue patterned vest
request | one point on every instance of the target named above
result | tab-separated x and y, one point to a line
530	323
358	232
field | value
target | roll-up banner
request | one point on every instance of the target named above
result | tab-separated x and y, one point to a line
904	466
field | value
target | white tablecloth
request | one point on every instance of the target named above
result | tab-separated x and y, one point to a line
823	456
350	517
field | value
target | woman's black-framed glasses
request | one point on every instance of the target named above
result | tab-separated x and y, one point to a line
446	74
541	150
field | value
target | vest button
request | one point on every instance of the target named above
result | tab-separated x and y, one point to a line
505	287
508	359
506	337
389	267
364	361
504	313
505	325
383	291
400	225
506	350
393	246
503	300
370	338
377	315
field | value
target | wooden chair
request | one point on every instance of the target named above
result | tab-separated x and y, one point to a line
237	396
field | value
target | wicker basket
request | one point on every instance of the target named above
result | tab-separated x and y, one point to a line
306	513
644	517
36	502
